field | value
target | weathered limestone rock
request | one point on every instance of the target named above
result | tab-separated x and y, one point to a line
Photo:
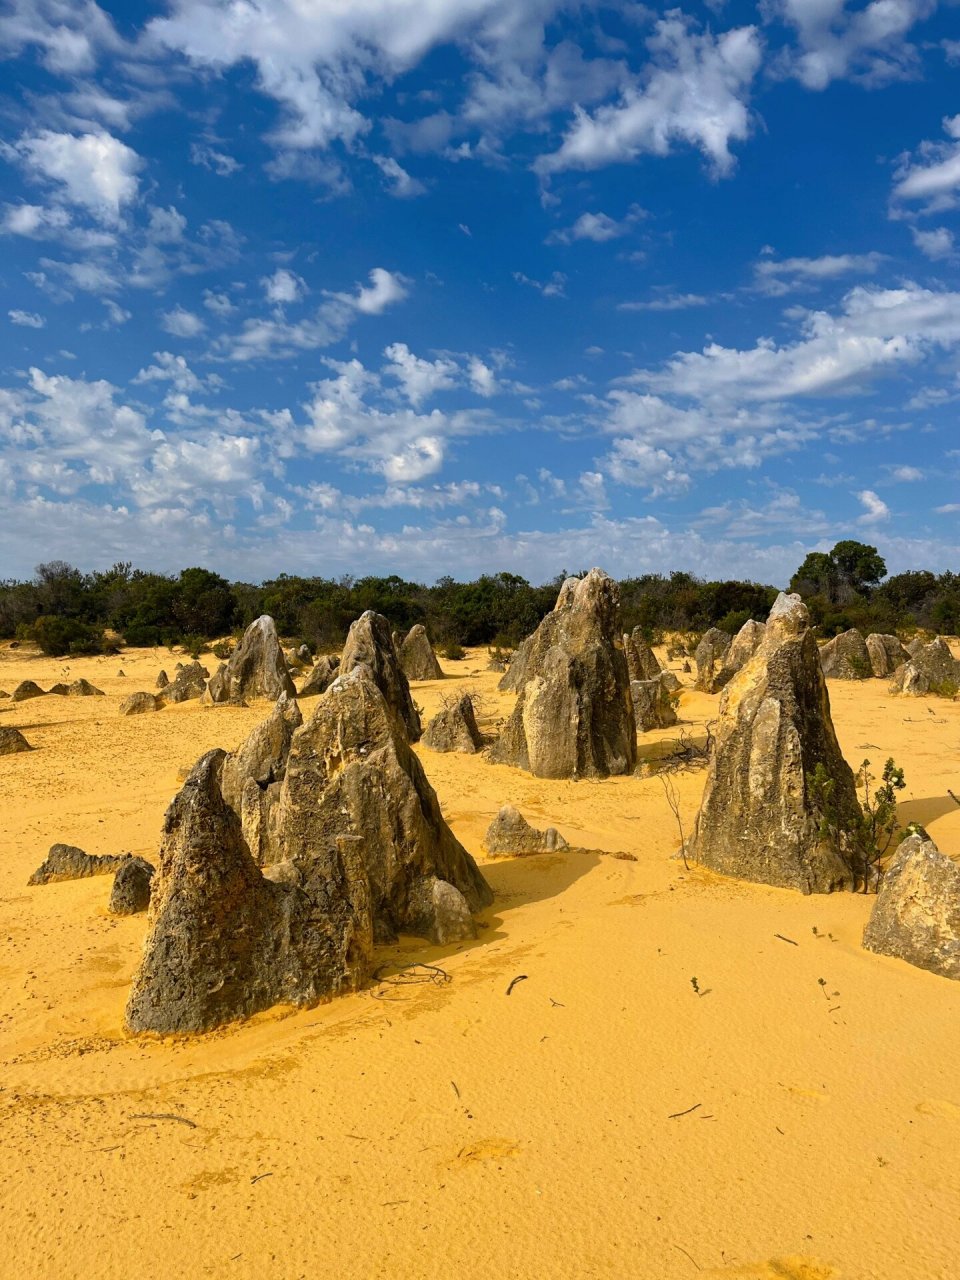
917	913
742	648
759	818
255	669
351	775
26	689
67	862
58	690
454	729
224	941
250	778
369	642
886	654
710	657
131	888
321	677
84	689
553	629
137	703
915	645
162	680
12	741
846	657
417	658
642	662
653	708
574	716
511	835
931	669
190	683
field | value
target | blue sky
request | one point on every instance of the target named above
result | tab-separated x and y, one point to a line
456	286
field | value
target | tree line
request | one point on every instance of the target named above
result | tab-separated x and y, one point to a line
64	610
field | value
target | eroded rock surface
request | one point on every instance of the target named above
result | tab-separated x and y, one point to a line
574	715
510	835
742	648
12	741
131	888
710	657
917	913
932	669
846	657
67	862
759	818
886	653
255	669
138	703
653	708
454	728
26	689
251	777
320	678
190	682
417	658
369	642
225	942
642	662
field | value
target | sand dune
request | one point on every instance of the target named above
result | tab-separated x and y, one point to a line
603	1119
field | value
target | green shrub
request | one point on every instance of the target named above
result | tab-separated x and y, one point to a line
452	651
222	649
195	645
863	843
59	636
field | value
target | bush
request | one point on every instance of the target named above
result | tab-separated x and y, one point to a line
863	844
194	645
452	651
222	649
59	636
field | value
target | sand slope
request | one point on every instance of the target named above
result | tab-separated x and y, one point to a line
425	1129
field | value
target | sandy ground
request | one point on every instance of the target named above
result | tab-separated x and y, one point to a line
603	1119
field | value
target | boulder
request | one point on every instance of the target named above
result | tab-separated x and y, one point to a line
931	669
369	642
454	728
574	716
760	819
255	669
554	629
67	862
510	835
26	689
417	658
846	657
225	942
653	708
189	683
58	690
742	648
4	694
321	677
12	741
137	703
886	653
131	888
642	662
915	645
162	680
917	913
251	777
352	775
710	656
84	689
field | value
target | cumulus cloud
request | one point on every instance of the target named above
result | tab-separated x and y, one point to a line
933	175
26	319
70	37
694	91
182	323
598	227
95	170
936	244
875	509
283	287
398	182
786	275
419	379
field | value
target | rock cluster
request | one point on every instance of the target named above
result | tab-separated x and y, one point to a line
574	715
510	835
12	741
886	653
846	657
67	862
710	656
321	677
131	888
454	728
932	669
417	658
760	818
357	851
369	641
917	913
190	682
255	669
653	708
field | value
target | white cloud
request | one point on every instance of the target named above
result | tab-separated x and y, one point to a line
95	170
666	302
785	275
218	162
552	288
598	227
384	290
936	244
419	379
182	323
283	287
876	510
693	91
905	474
71	36
218	303
482	378
934	176
400	183
26	319
838	42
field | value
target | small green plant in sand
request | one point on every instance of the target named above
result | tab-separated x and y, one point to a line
862	842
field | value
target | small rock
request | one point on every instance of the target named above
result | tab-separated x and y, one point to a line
67	862
137	703
509	835
131	888
917	913
12	741
652	705
454	729
26	689
846	657
417	658
84	689
162	680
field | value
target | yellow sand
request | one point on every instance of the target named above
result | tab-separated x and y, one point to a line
456	1131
